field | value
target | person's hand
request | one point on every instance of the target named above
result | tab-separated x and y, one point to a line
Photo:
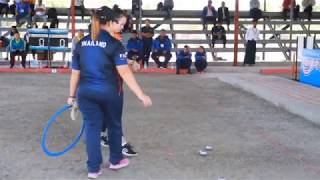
71	100
146	100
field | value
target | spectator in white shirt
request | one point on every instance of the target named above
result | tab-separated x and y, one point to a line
251	37
209	14
40	14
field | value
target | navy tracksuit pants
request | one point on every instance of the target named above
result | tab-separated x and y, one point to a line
101	104
183	64
200	65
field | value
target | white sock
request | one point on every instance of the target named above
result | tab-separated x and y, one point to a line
124	141
103	133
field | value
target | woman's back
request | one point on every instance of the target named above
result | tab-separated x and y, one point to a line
96	60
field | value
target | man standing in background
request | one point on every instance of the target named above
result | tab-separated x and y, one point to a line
147	33
251	37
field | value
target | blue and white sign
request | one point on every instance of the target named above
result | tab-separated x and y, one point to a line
310	67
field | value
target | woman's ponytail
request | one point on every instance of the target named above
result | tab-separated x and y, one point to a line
95	27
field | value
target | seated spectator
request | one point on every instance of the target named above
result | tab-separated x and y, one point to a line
286	7
116	7
32	6
79	5
168	6
17	48
255	12
5	44
135	49
223	14
23	12
40	14
12	8
76	39
4	7
26	38
161	47
135	11
53	18
209	14
307	8
184	60
160	6
201	60
13	30
219	33
128	27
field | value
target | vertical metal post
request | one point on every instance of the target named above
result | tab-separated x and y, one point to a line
291	24
72	14
264	29
236	33
140	15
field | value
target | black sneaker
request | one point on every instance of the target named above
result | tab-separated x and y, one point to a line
104	141
128	151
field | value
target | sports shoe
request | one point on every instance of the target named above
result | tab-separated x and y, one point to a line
104	141
128	151
123	163
94	175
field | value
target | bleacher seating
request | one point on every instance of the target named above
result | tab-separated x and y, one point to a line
270	27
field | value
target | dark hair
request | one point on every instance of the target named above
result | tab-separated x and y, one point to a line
103	16
204	50
134	31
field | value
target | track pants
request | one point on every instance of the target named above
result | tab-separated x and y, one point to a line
101	104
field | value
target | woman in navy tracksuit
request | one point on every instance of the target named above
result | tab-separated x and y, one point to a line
201	59
99	66
184	60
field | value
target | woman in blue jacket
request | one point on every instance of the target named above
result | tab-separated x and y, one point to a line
99	66
201	60
184	60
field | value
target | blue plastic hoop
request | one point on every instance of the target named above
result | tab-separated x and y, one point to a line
45	132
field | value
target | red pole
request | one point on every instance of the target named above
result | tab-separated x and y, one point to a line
236	33
73	23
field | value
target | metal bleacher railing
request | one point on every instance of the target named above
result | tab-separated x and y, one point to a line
185	28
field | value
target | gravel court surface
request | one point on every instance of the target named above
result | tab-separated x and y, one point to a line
251	138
